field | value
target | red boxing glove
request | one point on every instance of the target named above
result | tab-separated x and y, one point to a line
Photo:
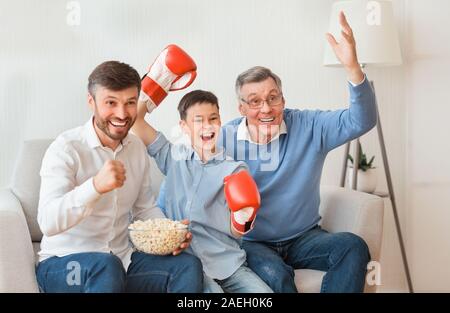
172	70
242	195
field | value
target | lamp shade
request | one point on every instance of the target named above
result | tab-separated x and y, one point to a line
374	30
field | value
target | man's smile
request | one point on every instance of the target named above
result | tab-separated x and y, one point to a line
120	125
266	120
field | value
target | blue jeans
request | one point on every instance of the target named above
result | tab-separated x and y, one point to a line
344	256
104	272
244	280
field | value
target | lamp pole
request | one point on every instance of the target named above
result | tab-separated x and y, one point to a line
387	173
375	32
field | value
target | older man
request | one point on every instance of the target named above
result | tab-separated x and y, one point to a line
285	150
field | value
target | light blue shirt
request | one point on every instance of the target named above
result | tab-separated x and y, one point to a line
194	191
288	169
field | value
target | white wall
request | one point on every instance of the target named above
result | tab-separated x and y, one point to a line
428	146
44	65
45	62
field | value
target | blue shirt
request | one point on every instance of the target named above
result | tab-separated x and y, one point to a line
194	191
288	169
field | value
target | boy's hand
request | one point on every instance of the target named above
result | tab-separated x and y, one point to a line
172	70
234	232
185	244
242	196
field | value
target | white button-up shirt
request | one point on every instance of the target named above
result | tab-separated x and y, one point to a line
72	215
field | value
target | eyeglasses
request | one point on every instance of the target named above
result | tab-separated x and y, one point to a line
257	103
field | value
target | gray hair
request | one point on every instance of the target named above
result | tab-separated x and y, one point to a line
255	74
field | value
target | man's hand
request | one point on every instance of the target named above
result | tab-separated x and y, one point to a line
110	176
345	50
185	244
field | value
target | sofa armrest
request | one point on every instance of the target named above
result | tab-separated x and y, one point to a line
17	264
346	210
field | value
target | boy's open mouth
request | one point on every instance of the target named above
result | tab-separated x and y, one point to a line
207	136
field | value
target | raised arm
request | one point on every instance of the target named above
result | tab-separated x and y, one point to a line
141	128
333	128
173	69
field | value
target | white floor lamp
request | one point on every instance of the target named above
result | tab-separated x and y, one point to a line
377	44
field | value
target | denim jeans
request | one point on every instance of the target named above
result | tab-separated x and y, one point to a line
343	256
244	280
104	272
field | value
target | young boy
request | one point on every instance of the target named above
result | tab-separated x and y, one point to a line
195	190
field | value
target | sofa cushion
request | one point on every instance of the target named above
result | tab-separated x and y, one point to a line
308	281
26	182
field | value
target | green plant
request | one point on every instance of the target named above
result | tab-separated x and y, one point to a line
363	164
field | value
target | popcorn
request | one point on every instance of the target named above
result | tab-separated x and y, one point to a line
159	236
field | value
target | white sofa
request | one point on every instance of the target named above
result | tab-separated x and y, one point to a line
341	209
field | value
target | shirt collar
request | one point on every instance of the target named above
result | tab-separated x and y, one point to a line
243	133
92	137
217	157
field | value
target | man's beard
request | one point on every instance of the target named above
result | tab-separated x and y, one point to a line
103	125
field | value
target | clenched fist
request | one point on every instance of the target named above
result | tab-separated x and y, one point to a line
110	177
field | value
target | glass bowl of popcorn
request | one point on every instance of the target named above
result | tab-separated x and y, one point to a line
160	236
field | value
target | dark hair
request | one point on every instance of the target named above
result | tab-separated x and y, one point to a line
115	76
194	97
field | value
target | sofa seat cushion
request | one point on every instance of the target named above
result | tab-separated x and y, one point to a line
26	181
308	281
